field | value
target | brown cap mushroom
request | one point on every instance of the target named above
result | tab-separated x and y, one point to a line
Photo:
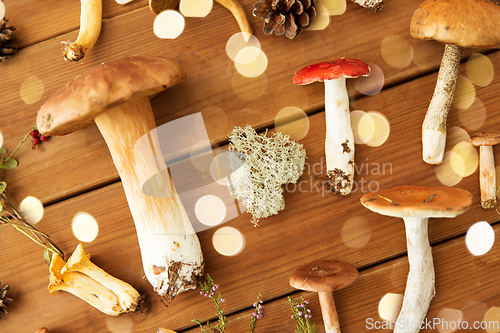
115	96
415	204
458	24
339	143
487	176
324	277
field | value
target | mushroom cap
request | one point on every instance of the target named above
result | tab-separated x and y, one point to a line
75	105
485	138
330	70
466	23
324	276
418	201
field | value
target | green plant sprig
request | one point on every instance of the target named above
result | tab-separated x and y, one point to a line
302	316
257	314
208	289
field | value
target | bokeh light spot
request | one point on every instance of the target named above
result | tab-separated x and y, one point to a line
480	238
228	241
210	210
390	306
449	320
32	209
464	159
382	129
396	50
363	126
293	122
2	10
31	90
220	168
238	42
445	173
321	20
169	24
492	316
195	8
1	140
85	227
250	61
122	2
465	93
372	84
356	231
479	69
456	135
335	7
473	117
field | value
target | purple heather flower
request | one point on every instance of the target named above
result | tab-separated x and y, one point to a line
222	300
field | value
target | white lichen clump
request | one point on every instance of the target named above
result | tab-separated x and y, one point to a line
261	166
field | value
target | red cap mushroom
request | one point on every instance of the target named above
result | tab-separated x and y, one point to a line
339	143
485	140
324	277
416	204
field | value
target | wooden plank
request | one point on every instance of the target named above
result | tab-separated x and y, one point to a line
213	87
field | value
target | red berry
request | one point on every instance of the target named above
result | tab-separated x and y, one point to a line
35	140
34	133
43	137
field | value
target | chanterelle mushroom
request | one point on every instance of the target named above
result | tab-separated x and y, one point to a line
115	96
485	140
339	143
416	204
324	277
458	24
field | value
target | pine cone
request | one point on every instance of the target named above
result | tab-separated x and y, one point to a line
6	39
4	300
285	17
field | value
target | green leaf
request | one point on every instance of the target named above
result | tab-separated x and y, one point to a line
9	164
2	151
3	185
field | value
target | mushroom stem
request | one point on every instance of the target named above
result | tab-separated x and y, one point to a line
339	143
90	28
420	283
487	181
434	125
239	14
171	252
329	312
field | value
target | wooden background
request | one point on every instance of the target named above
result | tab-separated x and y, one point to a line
75	173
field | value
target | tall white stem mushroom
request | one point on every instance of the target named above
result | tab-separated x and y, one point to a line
115	95
339	142
416	204
487	176
458	24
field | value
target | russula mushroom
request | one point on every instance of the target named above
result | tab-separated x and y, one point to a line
339	143
114	95
324	277
90	28
485	140
458	24
416	204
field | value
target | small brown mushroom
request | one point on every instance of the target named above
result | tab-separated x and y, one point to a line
458	24
324	277
487	178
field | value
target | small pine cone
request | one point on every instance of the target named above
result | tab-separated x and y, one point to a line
285	17
6	39
4	300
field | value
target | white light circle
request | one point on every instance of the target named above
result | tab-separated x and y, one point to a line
250	62
480	238
85	227
195	8
2	10
1	139
390	306
238	42
122	2
32	209
210	210
228	241
169	24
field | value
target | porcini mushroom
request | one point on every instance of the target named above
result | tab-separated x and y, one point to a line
485	140
324	277
115	96
339	143
458	24
416	204
90	28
